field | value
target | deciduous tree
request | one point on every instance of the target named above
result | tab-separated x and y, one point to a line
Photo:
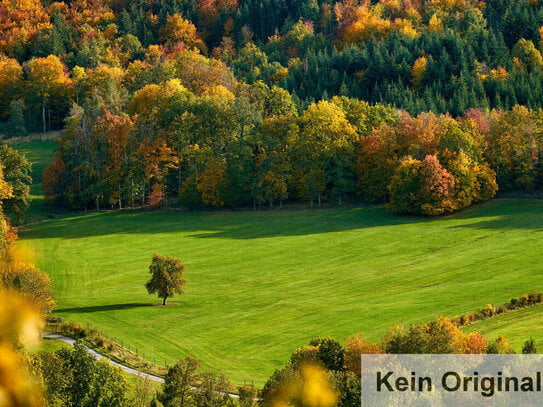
167	277
16	169
48	81
11	82
177	389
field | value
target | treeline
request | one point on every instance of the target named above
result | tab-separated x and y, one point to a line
149	119
177	128
200	138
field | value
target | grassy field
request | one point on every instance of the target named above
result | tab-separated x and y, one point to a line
518	326
261	284
39	153
51	345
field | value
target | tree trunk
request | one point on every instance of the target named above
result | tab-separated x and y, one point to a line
319	197
142	193
340	200
132	191
43	115
164	301
179	181
49	119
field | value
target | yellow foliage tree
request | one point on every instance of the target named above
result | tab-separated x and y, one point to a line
405	27
220	92
356	346
418	70
449	5
11	76
211	181
6	190
366	23
435	24
48	79
179	30
527	54
499	73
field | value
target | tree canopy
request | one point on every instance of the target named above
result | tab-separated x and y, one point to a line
312	101
167	277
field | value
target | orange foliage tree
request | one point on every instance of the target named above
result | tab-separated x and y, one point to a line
421	187
438	336
155	158
114	130
20	20
51	178
178	30
356	346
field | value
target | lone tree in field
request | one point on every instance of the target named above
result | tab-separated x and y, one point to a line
167	279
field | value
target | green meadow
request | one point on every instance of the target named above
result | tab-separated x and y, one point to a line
39	153
260	284
517	326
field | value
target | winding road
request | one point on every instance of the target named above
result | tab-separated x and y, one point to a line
127	369
99	356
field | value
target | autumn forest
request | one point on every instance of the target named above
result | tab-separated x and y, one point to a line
427	106
381	113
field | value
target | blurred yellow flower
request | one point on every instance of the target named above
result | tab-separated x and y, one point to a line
310	388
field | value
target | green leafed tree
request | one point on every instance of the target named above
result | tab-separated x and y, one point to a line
16	123
16	169
177	389
529	347
167	277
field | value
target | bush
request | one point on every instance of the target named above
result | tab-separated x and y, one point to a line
529	347
500	346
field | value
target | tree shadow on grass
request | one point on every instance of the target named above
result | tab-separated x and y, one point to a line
102	308
504	215
219	224
497	214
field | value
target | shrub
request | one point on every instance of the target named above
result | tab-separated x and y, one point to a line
529	347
